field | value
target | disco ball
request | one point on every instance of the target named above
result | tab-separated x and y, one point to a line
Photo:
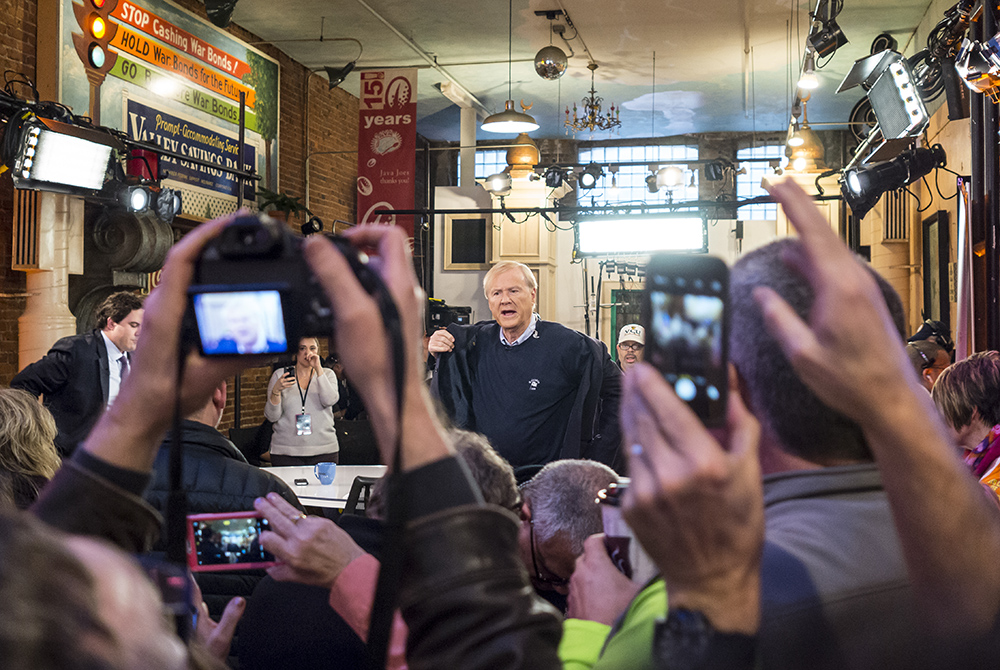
550	63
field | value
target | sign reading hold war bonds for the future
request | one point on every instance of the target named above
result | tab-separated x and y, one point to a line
387	138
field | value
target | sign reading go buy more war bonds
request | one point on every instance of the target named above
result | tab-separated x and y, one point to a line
158	51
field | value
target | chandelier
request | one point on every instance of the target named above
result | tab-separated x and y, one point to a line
594	118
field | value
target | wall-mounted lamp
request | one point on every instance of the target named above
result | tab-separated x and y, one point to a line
669	177
863	186
588	178
338	75
498	184
554	177
828	39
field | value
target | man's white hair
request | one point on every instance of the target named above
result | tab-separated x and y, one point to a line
503	266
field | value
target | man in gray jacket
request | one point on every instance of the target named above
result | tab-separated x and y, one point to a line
835	591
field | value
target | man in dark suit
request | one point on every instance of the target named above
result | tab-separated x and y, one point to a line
81	374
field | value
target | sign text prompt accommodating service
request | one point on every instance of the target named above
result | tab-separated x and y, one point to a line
151	125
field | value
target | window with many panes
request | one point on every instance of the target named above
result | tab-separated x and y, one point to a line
748	185
488	162
629	184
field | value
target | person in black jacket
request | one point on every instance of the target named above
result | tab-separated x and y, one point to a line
80	375
217	479
538	390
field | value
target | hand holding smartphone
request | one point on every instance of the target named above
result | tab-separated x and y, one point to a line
227	541
686	317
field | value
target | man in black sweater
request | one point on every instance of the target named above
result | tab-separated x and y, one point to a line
538	390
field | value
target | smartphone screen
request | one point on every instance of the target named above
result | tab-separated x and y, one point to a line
240	322
687	329
226	542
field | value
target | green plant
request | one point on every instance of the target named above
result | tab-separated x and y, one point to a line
268	201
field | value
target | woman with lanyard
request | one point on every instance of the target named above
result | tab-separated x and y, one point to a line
299	399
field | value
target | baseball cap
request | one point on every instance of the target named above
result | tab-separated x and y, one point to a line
632	332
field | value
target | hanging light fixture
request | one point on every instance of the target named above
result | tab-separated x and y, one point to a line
510	120
594	118
809	81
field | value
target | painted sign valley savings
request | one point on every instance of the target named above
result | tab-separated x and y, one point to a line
185	137
202	66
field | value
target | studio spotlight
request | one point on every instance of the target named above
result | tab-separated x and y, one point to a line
588	178
54	156
715	170
669	177
167	204
893	92
651	185
828	40
554	177
863	186
135	198
312	226
498	184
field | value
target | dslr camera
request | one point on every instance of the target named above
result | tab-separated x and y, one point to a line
253	292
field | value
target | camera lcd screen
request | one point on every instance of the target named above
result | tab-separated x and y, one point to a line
240	322
231	542
687	329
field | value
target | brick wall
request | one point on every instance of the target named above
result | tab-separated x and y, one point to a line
328	123
17	53
313	119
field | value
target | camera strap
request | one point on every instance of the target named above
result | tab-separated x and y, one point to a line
390	573
177	503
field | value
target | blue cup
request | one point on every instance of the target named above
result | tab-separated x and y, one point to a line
325	472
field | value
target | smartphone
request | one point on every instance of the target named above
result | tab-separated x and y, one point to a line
226	541
289	370
685	311
239	322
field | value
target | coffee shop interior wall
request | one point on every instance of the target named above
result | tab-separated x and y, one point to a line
313	119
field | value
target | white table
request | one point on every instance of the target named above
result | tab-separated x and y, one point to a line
314	494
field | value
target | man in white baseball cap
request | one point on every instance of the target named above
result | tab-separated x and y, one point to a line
631	340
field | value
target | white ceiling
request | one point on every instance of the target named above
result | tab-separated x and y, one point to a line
703	80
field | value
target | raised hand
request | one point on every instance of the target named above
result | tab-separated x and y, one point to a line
695	501
310	549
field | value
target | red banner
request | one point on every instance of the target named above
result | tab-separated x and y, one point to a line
387	146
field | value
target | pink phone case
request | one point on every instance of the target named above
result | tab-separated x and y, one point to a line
222	565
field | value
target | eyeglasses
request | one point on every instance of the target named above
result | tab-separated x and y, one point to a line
631	346
536	561
928	363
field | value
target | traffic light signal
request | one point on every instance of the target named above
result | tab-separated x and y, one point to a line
93	16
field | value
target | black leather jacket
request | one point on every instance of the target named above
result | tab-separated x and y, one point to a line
466	596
